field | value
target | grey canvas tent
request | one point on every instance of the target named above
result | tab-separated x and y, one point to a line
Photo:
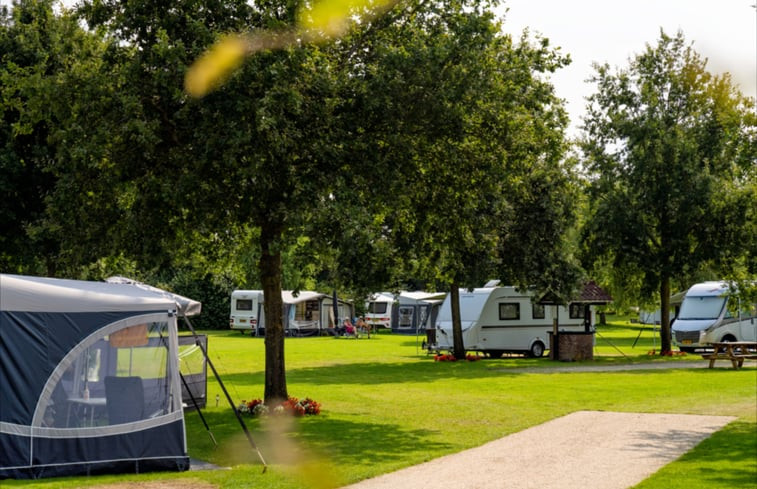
89	379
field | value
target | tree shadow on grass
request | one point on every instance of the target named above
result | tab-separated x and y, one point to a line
341	441
359	441
728	458
379	373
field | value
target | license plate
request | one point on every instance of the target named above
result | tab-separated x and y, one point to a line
687	342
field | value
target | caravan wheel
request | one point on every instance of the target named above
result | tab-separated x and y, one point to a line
537	350
495	353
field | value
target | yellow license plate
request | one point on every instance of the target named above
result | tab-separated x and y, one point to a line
687	342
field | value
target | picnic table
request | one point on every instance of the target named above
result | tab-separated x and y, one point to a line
735	351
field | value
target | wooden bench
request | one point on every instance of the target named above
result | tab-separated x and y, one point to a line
736	352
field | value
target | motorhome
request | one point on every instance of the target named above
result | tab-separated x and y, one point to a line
496	320
306	313
707	317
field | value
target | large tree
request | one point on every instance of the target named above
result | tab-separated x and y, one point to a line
670	149
47	65
478	133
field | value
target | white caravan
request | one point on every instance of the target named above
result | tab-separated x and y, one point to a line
306	314
378	310
496	320
705	317
246	310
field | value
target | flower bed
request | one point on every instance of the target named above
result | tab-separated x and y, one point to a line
449	357
292	407
669	353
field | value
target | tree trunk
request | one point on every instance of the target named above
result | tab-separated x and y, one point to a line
665	345
270	275
458	347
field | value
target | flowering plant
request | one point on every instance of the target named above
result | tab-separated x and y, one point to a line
668	353
444	357
449	357
292	406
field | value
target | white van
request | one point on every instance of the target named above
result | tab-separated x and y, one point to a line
705	317
496	320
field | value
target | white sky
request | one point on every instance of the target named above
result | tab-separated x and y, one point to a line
609	31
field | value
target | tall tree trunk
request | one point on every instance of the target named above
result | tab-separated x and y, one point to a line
270	276
665	345
458	347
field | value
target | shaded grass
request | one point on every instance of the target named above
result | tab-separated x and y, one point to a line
387	405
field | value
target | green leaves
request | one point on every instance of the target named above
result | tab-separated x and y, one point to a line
318	21
665	141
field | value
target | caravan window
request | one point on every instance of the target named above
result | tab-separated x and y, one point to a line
377	307
537	311
244	304
509	310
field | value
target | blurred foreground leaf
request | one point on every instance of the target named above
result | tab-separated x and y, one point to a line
318	21
215	65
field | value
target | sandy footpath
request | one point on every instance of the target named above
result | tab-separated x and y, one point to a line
585	449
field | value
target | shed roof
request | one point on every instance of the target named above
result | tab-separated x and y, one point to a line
591	293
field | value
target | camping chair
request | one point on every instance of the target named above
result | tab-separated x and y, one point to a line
125	399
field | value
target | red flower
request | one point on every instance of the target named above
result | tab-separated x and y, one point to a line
445	358
251	405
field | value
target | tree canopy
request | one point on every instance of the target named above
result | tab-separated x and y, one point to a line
670	149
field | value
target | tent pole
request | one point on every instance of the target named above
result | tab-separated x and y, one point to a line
191	396
228	397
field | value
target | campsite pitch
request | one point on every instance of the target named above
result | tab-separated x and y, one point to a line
600	450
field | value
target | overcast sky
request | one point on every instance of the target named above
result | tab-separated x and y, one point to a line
610	31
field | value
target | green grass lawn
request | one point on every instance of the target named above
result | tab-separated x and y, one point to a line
386	404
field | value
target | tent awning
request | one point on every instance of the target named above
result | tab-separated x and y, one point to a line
185	307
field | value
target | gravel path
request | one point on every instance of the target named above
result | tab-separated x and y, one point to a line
585	449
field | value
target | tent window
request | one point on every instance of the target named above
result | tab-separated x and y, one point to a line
406	316
113	380
300	313
306	311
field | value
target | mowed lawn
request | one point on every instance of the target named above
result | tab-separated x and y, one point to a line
387	404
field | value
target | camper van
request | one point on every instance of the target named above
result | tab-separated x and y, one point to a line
706	317
496	320
306	313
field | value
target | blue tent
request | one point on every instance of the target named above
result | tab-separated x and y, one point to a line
89	378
